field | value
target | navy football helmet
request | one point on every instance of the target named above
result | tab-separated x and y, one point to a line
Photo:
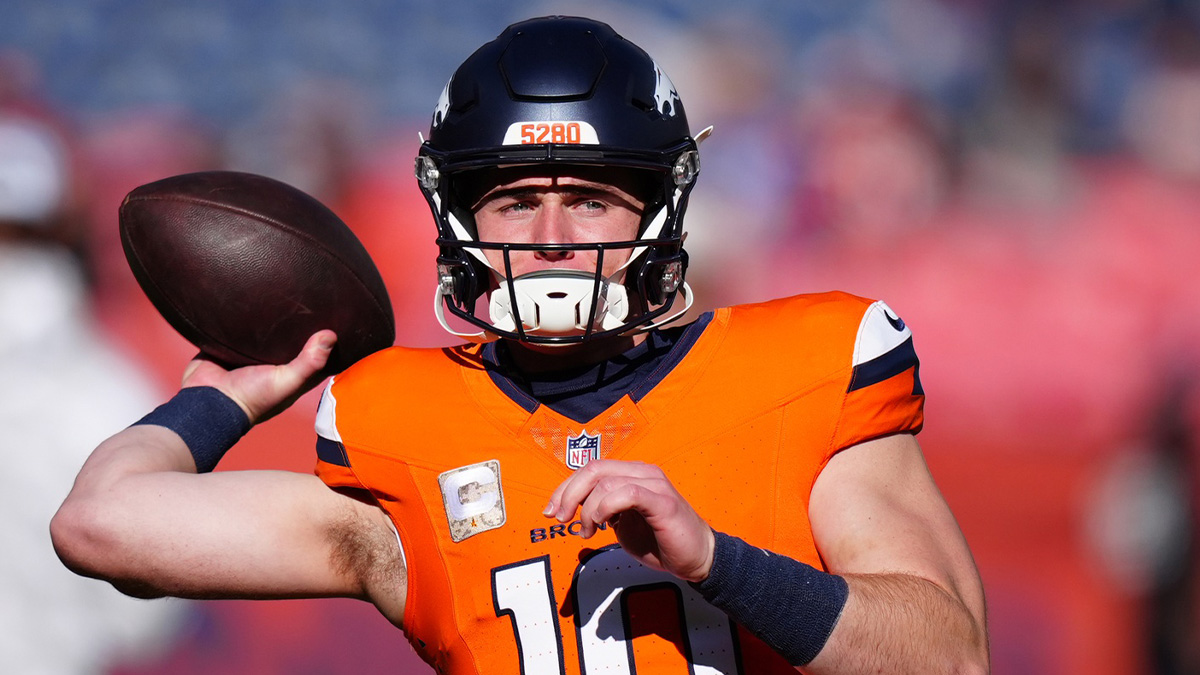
560	90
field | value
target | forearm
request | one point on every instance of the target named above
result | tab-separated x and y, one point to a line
901	623
132	451
827	624
187	434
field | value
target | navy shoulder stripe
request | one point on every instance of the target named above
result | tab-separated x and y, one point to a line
887	365
332	452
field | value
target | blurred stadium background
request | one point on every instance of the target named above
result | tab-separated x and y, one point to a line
1020	180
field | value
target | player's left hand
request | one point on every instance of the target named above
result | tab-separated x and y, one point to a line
653	522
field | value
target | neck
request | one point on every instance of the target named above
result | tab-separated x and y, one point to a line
530	358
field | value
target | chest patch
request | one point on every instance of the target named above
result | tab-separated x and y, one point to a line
473	498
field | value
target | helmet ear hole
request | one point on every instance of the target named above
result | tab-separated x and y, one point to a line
462	284
660	278
459	280
652	291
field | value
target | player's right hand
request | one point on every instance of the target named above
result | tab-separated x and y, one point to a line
653	522
265	391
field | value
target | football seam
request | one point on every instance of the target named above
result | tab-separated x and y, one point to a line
300	233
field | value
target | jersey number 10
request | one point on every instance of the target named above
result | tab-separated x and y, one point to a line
524	592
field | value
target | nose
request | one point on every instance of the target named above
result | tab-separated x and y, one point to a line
551	227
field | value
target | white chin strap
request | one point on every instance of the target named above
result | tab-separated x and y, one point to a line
558	302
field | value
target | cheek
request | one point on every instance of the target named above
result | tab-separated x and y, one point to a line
495	259
488	227
613	260
491	229
626	229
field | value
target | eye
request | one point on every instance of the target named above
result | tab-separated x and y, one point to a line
515	208
591	205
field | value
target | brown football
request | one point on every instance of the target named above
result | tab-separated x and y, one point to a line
246	268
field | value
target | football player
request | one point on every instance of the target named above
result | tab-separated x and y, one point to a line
584	486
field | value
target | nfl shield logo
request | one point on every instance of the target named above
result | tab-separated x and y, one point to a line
582	449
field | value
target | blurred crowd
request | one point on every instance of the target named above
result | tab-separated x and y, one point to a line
1020	180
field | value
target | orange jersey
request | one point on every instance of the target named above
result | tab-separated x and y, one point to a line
742	415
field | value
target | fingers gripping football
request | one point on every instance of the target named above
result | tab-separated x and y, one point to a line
652	521
265	391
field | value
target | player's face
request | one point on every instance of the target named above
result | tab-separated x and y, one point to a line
579	205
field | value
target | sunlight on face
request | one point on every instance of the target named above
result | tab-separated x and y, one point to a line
576	205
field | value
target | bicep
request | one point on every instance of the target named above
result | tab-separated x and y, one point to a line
876	509
245	534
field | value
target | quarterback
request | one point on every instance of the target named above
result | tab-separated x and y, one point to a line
586	485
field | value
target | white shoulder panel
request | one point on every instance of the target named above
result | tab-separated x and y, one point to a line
881	331
326	424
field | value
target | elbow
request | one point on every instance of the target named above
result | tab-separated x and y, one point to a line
967	661
88	544
77	534
974	667
963	651
982	664
975	658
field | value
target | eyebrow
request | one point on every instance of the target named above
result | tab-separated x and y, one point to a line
526	191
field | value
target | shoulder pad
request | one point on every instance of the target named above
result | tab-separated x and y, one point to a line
880	331
326	424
